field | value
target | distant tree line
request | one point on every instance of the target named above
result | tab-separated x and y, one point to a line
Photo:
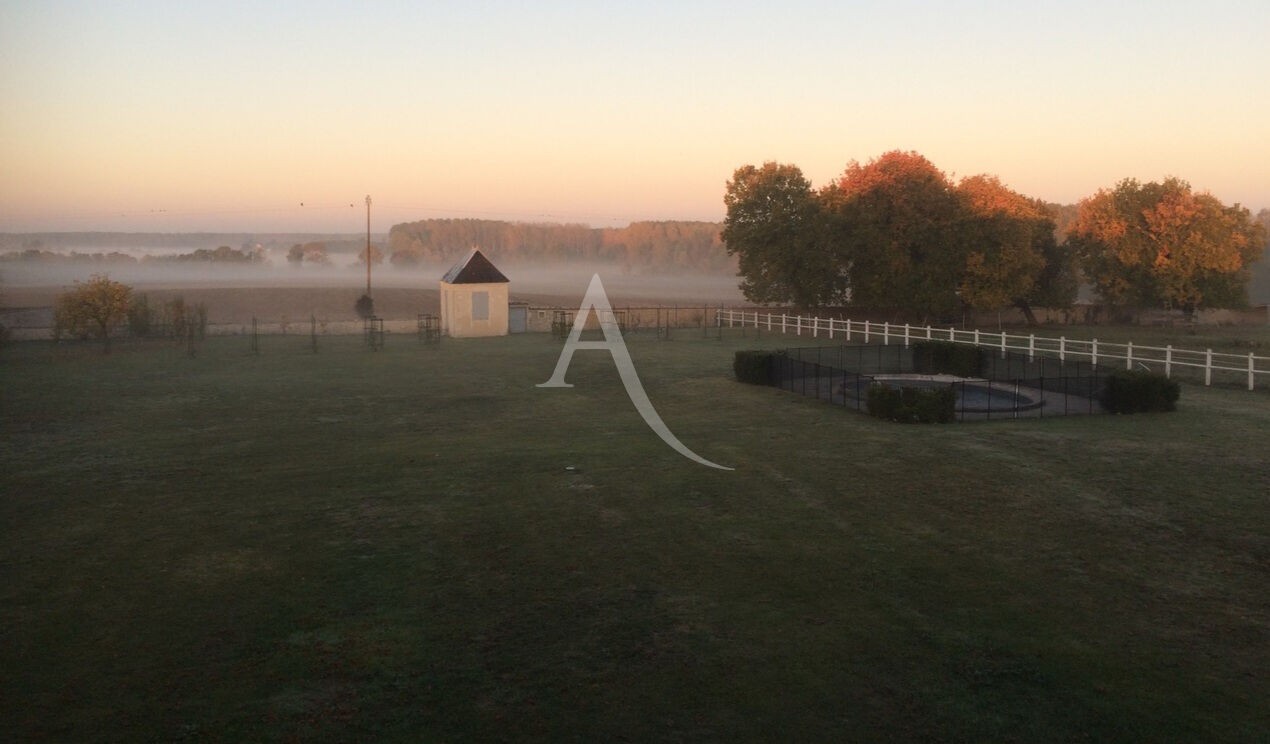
897	233
641	245
662	245
37	255
223	255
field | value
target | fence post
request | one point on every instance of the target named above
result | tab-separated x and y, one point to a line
798	325
952	335
1168	360
1251	369
848	329
1003	344
906	335
866	331
928	332
1208	367
886	333
976	337
783	322
1093	352
1031	347
1128	356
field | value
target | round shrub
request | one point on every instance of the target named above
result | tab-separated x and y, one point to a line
753	366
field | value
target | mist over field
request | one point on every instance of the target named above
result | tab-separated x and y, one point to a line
557	279
275	290
657	262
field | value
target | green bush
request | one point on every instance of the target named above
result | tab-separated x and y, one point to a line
1139	392
912	405
754	367
947	358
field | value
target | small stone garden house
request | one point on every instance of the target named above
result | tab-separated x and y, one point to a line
474	295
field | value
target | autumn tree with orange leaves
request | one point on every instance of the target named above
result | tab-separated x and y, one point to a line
901	227
1164	245
95	308
1013	257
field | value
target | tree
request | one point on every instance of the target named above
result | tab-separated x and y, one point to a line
140	316
1013	257
94	308
376	255
1259	282
776	227
901	230
314	253
1162	244
893	233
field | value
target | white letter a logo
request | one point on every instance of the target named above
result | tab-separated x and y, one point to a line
597	300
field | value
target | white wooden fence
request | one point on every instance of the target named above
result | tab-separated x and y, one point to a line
1094	351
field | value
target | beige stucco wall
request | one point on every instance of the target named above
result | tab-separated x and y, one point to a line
456	310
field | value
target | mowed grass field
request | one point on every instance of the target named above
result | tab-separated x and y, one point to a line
389	546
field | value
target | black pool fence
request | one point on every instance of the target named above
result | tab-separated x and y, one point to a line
1009	386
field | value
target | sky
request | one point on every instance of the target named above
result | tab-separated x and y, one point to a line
283	117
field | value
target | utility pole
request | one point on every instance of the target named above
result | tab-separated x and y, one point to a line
368	245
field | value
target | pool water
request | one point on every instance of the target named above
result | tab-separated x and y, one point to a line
972	395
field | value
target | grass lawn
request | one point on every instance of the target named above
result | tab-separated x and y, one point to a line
357	546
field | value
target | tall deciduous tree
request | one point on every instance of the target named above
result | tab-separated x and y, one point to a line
95	308
1162	244
902	231
776	228
1013	257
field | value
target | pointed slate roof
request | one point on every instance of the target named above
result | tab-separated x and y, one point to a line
475	269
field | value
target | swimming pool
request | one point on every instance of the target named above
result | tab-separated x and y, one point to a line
973	396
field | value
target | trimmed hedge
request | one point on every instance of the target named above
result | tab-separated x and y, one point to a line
753	366
1139	392
912	405
947	358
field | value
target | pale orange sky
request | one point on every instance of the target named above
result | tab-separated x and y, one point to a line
166	117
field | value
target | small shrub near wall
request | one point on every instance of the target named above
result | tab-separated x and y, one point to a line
1139	392
913	405
754	367
946	358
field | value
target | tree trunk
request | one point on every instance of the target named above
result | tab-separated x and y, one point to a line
1027	312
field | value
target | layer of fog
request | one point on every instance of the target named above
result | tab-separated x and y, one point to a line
566	280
